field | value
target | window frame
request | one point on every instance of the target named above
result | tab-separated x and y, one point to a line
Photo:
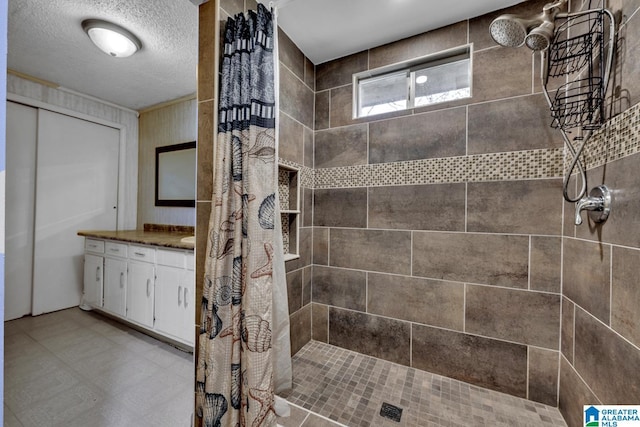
410	67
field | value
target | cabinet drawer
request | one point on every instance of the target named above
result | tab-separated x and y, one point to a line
92	245
170	258
142	253
115	249
190	261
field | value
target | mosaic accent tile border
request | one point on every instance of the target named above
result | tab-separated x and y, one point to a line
618	138
530	164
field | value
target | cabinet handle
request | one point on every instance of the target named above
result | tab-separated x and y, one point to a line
179	295
98	275
185	297
114	250
140	254
148	283
121	280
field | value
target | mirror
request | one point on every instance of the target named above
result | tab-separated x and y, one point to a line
176	175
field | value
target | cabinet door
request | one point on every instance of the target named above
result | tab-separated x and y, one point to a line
115	286
169	300
140	290
93	276
188	307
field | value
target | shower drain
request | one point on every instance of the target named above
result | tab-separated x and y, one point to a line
392	412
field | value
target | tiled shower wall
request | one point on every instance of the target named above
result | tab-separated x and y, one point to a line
437	234
437	231
601	291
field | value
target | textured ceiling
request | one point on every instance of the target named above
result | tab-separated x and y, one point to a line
47	42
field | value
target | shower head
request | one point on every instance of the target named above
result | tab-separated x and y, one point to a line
511	30
514	30
540	37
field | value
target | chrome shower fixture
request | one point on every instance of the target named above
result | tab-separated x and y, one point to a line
513	31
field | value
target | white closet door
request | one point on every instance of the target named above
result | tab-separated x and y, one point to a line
76	189
22	124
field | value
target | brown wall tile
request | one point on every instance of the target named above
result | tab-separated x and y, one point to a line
522	316
307	207
586	276
340	72
566	342
309	73
424	136
543	376
418	207
621	177
305	250
544	271
490	81
307	275
524	207
431	302
420	45
493	364
340	287
290	55
375	336
373	250
340	207
291	140
294	290
514	124
602	354
322	110
296	99
300	323
625	316
345	146
207	16
478	258
308	138
320	245
320	326
574	393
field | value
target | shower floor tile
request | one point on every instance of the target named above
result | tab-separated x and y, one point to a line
341	387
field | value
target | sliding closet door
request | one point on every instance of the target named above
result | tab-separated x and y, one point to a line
76	189
22	124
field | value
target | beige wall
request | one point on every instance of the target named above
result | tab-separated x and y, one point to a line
175	123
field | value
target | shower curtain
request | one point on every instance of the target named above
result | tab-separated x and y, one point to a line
244	314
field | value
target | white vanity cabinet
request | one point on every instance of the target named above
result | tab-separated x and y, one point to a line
93	273
151	287
115	278
174	299
141	283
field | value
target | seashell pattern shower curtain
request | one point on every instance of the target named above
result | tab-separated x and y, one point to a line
235	378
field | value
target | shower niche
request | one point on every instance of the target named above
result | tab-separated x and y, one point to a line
289	198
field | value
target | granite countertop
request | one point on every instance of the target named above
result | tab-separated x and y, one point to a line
169	238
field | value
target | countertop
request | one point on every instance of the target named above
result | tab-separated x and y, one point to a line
167	239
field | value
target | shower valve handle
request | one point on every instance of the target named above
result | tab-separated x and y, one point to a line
598	203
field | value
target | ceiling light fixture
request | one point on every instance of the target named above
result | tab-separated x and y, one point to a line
111	38
421	79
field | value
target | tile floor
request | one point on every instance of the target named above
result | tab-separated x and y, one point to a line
76	368
348	388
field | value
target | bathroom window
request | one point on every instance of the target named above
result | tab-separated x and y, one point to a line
440	77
